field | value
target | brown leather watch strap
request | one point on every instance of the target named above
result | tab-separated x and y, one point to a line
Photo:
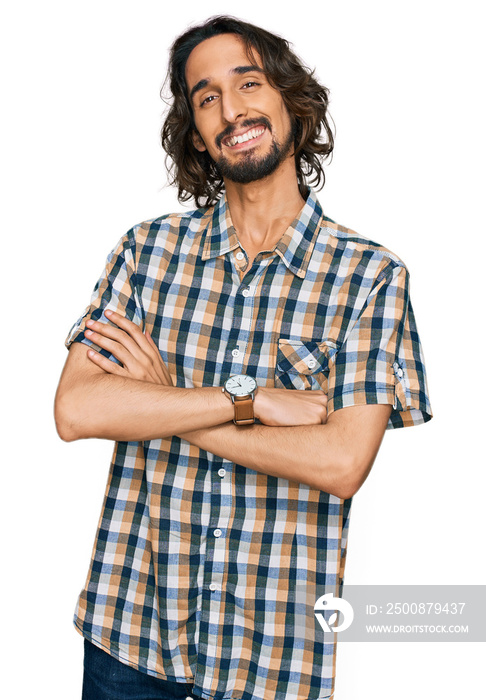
244	414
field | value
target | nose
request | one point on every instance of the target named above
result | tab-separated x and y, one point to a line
233	106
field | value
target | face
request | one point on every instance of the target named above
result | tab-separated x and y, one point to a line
241	120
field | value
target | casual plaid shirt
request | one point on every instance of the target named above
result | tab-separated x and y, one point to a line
197	559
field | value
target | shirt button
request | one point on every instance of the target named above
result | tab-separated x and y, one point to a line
221	472
246	292
217	532
398	370
213	586
235	353
311	364
240	255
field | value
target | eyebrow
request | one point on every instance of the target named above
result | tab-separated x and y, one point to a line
239	70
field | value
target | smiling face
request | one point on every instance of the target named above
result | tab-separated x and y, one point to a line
241	120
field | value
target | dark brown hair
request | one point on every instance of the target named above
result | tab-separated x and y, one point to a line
195	173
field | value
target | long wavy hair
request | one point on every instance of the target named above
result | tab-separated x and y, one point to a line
194	173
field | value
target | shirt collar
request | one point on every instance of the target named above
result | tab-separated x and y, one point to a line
294	247
220	234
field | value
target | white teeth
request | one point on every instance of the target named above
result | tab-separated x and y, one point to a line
252	134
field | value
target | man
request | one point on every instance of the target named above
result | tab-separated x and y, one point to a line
247	357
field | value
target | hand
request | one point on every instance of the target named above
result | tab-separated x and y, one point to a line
137	352
286	407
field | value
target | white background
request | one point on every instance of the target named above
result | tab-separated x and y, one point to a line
81	164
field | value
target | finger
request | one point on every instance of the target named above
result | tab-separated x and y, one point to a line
125	349
128	326
151	341
157	351
140	344
317	395
313	395
119	350
160	366
116	334
106	364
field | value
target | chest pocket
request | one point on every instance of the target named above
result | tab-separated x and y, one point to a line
303	364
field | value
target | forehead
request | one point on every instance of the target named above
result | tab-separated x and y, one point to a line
216	58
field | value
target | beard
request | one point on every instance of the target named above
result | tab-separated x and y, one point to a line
250	167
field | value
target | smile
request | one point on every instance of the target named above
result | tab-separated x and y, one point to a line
249	135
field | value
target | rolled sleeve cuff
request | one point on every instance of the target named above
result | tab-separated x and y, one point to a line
408	408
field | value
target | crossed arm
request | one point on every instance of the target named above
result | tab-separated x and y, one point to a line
137	401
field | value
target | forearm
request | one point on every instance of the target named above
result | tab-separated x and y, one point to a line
335	457
306	454
131	410
107	406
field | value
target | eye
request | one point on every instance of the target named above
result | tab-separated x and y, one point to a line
250	83
207	100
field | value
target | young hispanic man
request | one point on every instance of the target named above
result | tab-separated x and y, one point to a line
246	357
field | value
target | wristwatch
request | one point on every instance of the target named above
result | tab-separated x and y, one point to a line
241	389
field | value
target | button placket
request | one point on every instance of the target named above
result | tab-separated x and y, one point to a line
247	291
221	500
242	321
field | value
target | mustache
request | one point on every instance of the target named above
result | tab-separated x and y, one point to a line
248	123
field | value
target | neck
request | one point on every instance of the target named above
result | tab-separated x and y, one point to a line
261	211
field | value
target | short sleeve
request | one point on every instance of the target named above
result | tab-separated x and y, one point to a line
381	359
116	290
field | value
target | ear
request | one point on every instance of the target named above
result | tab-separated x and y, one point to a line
199	144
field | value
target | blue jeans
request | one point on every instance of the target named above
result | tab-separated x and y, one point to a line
106	678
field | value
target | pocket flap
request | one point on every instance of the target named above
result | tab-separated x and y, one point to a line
304	356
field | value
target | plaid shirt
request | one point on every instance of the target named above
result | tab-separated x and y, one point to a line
197	559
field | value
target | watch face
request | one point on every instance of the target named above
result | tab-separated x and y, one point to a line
240	385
